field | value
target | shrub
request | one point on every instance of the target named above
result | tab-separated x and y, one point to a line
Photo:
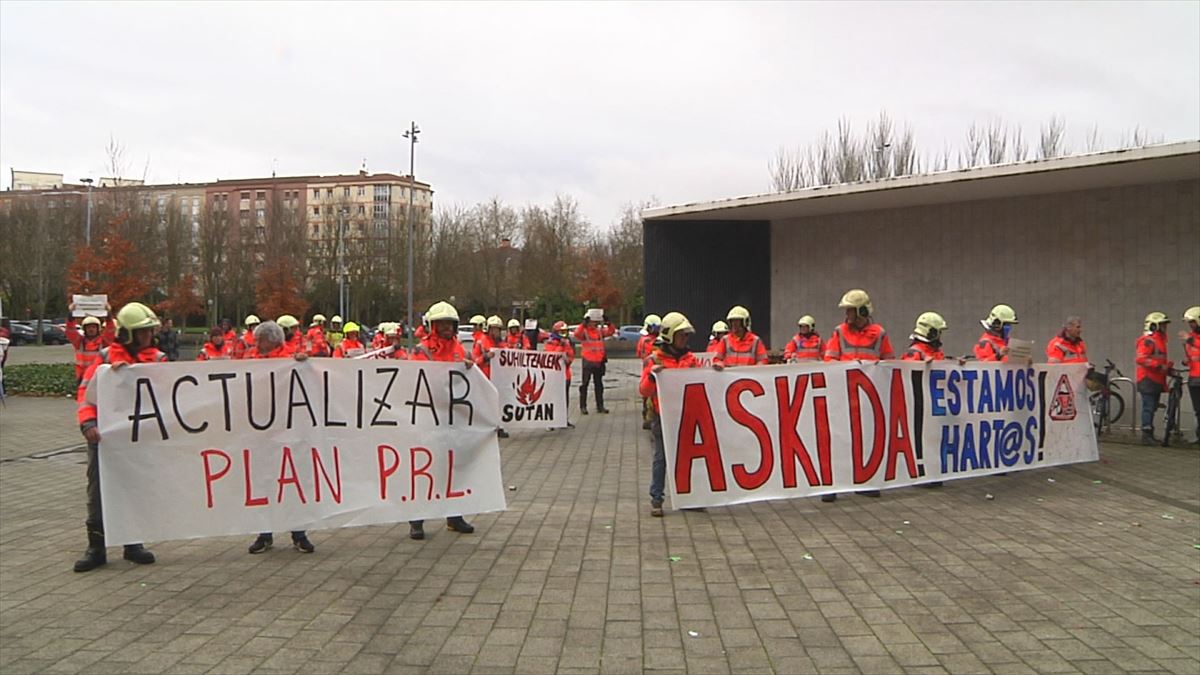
40	379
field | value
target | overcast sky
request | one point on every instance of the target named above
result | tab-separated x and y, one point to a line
609	103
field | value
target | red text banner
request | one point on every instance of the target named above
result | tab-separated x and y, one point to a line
775	432
238	447
532	388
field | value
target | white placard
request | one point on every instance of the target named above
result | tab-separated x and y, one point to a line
237	447
532	388
90	305
596	315
796	430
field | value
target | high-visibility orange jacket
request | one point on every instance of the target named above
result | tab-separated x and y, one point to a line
243	345
648	387
231	335
850	344
317	345
1191	349
748	350
476	336
434	348
591	339
518	341
991	347
555	344
645	345
114	353
349	348
294	343
1152	363
479	352
1061	349
712	344
803	348
923	351
280	352
87	349
211	352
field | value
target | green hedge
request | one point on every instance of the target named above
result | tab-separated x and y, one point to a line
40	379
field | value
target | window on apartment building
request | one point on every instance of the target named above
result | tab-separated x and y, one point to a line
261	195
362	190
362	210
316	231
245	195
346	191
316	193
261	214
329	193
260	231
383	192
316	210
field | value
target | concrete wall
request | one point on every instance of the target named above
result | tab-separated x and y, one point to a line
1109	255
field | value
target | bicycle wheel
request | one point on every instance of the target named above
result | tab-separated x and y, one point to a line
1116	407
1171	420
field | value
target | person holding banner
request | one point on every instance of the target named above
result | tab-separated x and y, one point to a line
134	343
94	338
559	342
1153	366
441	344
993	344
269	343
485	346
334	335
246	342
215	348
858	338
516	339
1191	350
740	347
926	339
230	333
591	338
806	344
645	346
293	341
672	352
1068	346
478	328
395	340
350	346
315	337
719	329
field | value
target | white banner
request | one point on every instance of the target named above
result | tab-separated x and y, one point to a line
774	432
532	387
238	447
704	359
90	305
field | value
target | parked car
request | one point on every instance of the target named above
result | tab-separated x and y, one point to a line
466	337
628	333
50	334
22	334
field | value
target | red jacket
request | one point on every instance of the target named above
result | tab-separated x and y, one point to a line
295	343
849	344
1152	363
648	387
923	351
434	348
114	353
749	350
1191	349
87	349
243	345
712	344
1062	350
349	348
518	341
211	352
645	345
317	345
803	348
562	345
591	339
991	347
280	352
479	352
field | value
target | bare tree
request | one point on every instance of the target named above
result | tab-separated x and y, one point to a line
114	154
971	153
1093	142
1020	147
1052	142
996	142
788	171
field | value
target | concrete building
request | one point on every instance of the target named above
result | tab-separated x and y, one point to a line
35	180
1108	236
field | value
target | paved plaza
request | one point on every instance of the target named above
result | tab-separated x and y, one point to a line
1091	568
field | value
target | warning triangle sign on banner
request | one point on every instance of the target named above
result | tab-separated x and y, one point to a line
1062	404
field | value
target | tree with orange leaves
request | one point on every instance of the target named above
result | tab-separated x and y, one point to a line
116	268
598	288
277	290
182	300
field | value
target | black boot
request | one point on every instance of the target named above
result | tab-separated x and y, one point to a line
416	529
582	410
829	498
459	525
1148	437
136	553
602	410
262	543
500	433
301	542
94	556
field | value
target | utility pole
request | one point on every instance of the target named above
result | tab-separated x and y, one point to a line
411	135
87	274
341	264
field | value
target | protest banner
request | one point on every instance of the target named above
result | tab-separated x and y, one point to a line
704	359
532	388
773	432
239	447
89	305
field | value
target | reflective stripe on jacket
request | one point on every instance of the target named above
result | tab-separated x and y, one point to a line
869	344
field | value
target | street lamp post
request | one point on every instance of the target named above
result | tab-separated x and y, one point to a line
341	263
411	135
87	274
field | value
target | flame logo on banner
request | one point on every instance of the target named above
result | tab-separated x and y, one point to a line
528	389
1062	406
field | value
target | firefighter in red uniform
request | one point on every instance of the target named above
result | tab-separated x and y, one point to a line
595	360
671	352
134	343
926	339
1068	346
350	345
645	347
441	344
484	350
1191	350
395	340
993	344
246	342
740	347
516	338
559	342
216	348
478	327
806	344
858	338
315	337
719	330
230	333
269	343
293	339
94	338
1152	369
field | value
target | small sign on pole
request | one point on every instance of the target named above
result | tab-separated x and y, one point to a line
90	305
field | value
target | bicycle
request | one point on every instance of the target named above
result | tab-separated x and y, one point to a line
1106	401
1174	398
